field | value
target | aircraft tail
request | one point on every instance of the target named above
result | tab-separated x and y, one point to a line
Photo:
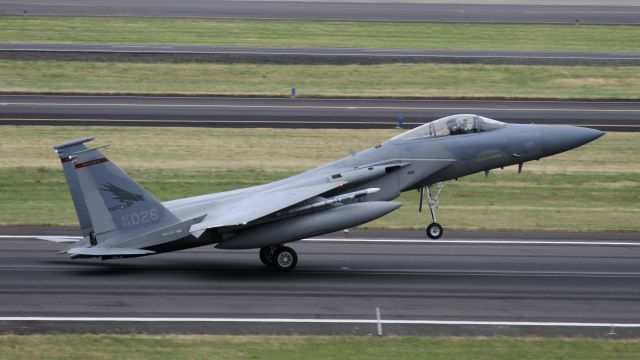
118	208
63	150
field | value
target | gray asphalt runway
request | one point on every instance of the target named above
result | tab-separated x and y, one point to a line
602	13
301	112
283	55
594	282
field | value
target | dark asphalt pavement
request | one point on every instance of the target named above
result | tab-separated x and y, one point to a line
301	112
325	10
284	55
334	280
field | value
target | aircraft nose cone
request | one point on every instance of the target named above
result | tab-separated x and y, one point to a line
560	138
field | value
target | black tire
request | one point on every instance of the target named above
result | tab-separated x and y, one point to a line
434	231
266	256
285	258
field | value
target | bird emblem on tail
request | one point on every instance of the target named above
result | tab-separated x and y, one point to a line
125	197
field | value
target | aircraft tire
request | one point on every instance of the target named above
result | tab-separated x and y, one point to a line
285	258
266	256
434	231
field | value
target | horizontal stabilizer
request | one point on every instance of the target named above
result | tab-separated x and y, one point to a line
60	239
96	251
73	143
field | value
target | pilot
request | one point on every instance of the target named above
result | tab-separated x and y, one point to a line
455	127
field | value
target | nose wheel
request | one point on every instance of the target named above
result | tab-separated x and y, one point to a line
282	258
434	230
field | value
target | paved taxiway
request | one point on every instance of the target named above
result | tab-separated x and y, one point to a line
301	112
508	277
288	55
567	12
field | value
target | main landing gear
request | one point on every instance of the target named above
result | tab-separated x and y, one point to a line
434	230
282	258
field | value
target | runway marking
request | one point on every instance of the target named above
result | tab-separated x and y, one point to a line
240	106
415	241
218	121
485	242
366	19
136	49
320	321
283	98
379	272
304	122
486	273
35	236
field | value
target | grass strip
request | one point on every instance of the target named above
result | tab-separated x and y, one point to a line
320	34
305	347
388	80
592	188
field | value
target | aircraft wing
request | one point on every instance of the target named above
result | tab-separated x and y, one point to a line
242	211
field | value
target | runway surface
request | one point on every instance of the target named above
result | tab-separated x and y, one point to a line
301	112
288	55
517	277
620	12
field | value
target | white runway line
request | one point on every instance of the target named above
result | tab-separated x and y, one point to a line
317	321
403	272
486	273
415	241
487	242
36	236
314	107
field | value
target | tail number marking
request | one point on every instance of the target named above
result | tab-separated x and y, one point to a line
140	217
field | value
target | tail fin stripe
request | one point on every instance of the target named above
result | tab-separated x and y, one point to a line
91	162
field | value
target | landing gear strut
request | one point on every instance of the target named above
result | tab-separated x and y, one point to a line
434	230
282	258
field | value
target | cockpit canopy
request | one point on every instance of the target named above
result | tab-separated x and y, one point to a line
452	125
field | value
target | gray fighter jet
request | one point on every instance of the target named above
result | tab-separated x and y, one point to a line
119	218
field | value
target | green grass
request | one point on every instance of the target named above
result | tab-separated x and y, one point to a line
319	34
305	347
390	80
593	188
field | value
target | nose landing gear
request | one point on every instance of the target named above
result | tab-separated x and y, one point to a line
434	230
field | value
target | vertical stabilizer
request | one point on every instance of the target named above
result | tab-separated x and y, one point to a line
117	206
63	150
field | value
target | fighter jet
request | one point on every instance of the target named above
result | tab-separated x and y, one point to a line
119	218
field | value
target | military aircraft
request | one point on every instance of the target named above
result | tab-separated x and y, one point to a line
119	218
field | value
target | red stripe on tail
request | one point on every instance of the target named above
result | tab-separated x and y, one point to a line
91	162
